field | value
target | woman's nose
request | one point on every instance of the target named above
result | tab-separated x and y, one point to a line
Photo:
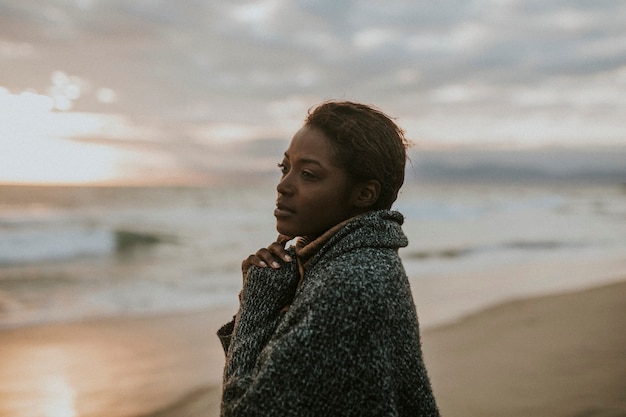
285	186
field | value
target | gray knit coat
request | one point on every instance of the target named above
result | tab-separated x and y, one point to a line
348	345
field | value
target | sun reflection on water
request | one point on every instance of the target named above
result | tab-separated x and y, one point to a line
43	383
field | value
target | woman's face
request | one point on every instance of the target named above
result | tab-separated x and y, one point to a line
314	194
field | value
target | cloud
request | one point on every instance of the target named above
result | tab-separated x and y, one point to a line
437	66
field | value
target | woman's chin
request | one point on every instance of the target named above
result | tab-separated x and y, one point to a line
284	229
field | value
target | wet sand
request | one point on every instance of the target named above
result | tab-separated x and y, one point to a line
558	355
118	367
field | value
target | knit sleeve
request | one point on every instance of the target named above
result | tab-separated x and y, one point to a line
266	292
225	333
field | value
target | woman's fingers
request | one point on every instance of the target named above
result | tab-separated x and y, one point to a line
283	239
274	252
278	250
268	256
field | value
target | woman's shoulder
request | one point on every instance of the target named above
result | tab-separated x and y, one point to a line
371	263
359	275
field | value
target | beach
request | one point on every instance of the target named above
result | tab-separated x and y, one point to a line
555	355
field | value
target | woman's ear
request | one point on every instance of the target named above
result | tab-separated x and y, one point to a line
367	194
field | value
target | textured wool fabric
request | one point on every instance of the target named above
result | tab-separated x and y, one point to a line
349	343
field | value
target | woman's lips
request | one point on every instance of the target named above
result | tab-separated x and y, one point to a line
283	211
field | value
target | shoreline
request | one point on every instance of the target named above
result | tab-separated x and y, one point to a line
548	355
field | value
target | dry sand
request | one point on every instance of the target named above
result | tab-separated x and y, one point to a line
562	355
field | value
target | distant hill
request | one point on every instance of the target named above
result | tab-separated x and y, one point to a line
595	165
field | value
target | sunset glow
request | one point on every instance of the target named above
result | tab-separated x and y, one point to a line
36	143
111	91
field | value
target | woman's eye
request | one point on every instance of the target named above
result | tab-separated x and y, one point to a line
308	175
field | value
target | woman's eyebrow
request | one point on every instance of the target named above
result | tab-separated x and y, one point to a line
305	160
311	161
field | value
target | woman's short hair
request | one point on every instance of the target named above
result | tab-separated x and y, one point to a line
368	144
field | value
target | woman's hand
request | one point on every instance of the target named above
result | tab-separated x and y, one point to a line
267	256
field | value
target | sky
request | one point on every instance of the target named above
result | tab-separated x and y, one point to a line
160	90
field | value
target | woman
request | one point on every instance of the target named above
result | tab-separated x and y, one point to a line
328	327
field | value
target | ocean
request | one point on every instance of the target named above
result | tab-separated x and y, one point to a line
69	253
